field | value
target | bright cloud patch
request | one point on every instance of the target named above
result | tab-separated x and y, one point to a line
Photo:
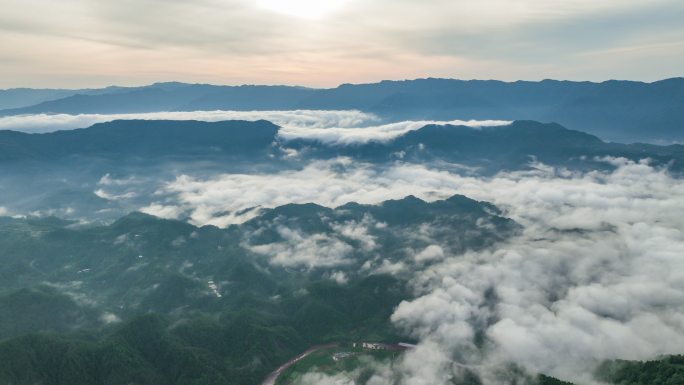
328	183
381	133
298	118
596	274
333	127
298	249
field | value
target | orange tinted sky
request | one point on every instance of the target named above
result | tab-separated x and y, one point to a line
89	43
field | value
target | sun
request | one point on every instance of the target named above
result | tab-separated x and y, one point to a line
305	9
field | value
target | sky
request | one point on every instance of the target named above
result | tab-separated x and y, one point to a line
94	43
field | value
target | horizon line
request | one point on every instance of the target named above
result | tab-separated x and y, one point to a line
177	82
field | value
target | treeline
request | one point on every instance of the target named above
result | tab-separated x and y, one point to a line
236	347
666	371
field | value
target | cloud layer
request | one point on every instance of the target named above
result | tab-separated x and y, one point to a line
301	119
333	127
596	274
311	251
382	133
328	183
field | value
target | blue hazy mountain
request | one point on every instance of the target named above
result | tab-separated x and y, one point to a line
145	139
26	97
172	96
496	148
624	111
60	171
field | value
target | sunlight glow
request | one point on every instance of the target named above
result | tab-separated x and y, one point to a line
306	9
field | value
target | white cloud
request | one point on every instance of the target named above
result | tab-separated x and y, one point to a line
340	277
596	274
162	211
430	253
388	267
310	251
358	231
109	318
302	119
332	127
328	183
107	180
114	197
382	133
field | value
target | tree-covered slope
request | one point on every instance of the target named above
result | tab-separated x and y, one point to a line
149	301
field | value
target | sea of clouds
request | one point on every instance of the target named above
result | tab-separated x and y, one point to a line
333	127
41	123
596	274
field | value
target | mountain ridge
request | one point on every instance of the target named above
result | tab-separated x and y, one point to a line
613	110
506	146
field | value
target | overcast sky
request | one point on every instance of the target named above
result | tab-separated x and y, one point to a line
88	43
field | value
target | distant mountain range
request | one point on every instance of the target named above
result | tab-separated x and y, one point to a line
491	149
623	111
94	292
60	172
